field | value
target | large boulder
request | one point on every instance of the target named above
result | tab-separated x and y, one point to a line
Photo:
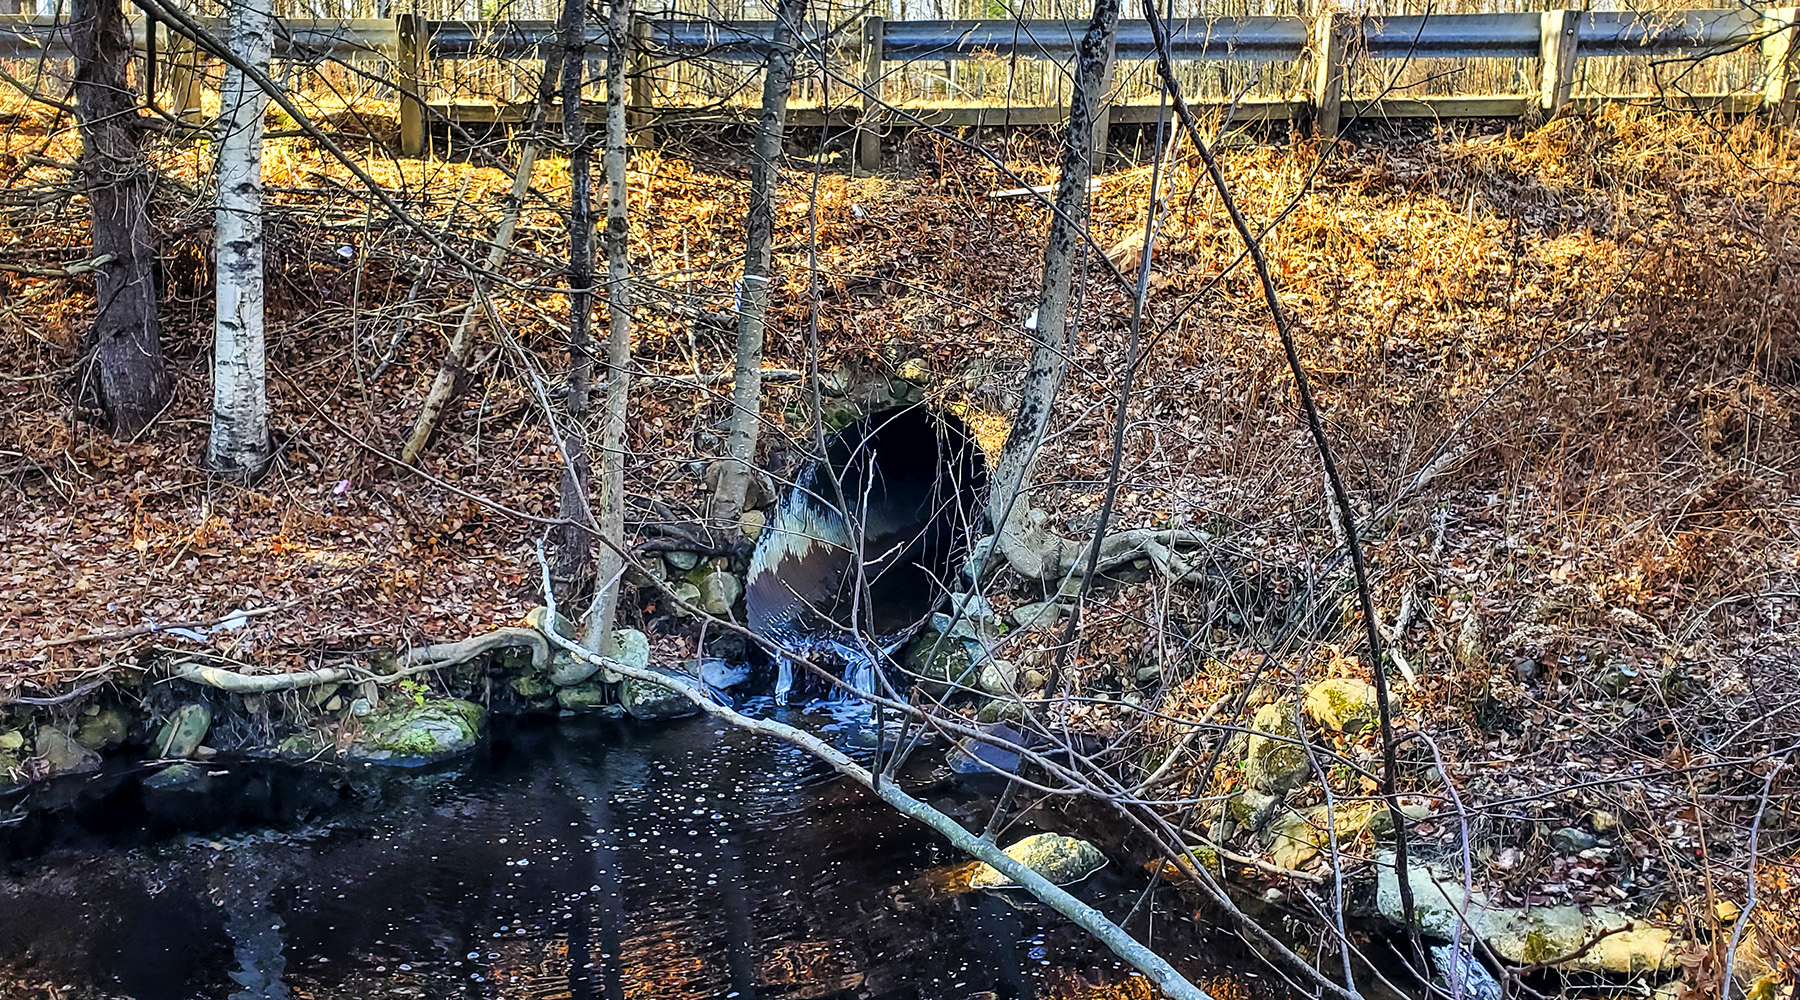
1275	763
418	733
1059	859
647	700
1524	936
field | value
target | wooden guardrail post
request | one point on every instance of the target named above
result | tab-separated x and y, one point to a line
1331	42
409	75
1781	62
1558	40
184	79
641	113
868	137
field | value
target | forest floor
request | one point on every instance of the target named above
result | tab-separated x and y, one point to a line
1561	367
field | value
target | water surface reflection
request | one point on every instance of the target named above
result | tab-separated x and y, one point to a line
581	859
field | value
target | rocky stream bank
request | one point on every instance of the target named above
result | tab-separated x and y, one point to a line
394	715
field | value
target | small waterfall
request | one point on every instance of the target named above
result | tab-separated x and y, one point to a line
857	667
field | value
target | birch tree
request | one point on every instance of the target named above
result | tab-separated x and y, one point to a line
123	370
759	243
610	565
240	445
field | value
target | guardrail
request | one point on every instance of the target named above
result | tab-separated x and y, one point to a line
1556	38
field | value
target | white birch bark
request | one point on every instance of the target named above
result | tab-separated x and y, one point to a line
727	505
240	423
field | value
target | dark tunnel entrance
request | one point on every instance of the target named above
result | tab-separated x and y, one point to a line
899	493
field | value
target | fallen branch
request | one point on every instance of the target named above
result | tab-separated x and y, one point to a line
722	378
57	699
1152	965
80	267
151	628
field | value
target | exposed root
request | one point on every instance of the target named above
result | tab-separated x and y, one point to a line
1034	551
414	661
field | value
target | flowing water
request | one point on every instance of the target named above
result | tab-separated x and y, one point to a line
582	858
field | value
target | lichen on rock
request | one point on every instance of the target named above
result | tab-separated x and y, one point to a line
1059	859
1523	936
419	733
1346	705
1274	762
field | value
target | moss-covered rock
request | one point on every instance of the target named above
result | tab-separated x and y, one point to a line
1346	705
592	698
62	755
1619	943
646	700
419	733
180	736
1059	859
104	729
941	664
1275	765
12	758
719	593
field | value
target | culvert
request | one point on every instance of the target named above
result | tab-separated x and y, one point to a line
892	505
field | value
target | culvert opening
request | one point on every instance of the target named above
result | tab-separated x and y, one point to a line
892	505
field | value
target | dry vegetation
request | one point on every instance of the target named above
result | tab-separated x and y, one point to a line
1562	367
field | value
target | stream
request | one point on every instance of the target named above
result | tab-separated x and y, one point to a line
575	858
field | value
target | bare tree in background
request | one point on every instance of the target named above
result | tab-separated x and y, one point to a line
240	446
1019	537
610	569
753	300
124	371
574	550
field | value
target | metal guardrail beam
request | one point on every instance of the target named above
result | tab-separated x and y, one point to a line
33	37
1225	39
1695	32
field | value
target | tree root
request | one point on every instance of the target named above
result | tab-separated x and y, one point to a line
1035	552
414	661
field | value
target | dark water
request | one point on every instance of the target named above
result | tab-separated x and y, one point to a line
579	859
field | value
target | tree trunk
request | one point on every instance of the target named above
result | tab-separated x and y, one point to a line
1018	536
610	565
573	563
240	445
753	305
124	369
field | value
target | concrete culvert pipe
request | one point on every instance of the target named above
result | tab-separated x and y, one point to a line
897	495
